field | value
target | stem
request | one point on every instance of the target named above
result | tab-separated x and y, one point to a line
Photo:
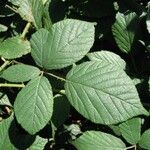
11	8
4	65
12	85
130	147
26	29
55	76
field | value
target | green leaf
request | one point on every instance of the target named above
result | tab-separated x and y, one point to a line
131	130
124	30
98	141
61	110
102	93
3	28
108	57
34	105
144	141
46	16
4	100
67	42
30	10
38	144
20	73
14	47
5	143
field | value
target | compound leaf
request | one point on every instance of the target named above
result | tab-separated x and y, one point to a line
98	141
67	42
102	93
124	30
20	73
34	105
131	130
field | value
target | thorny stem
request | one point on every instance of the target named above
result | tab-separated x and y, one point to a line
12	85
26	29
55	76
130	147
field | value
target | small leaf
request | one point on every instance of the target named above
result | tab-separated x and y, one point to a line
34	105
3	28
67	42
131	130
102	93
38	144
98	141
30	10
4	100
109	57
61	110
14	47
144	141
20	73
124	30
5	143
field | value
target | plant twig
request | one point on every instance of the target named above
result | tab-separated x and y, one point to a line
26	29
12	85
11	8
130	147
4	65
55	76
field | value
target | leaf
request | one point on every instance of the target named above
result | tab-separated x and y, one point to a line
102	93
98	141
4	100
34	105
14	47
20	73
124	30
60	111
108	57
144	141
3	28
38	144
5	143
30	10
67	42
46	16
131	130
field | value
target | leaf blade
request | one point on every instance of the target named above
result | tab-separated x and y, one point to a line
98	141
34	105
20	73
90	84
67	42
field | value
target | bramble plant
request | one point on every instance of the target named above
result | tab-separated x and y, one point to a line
74	75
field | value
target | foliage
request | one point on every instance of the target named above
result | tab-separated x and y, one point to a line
74	74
